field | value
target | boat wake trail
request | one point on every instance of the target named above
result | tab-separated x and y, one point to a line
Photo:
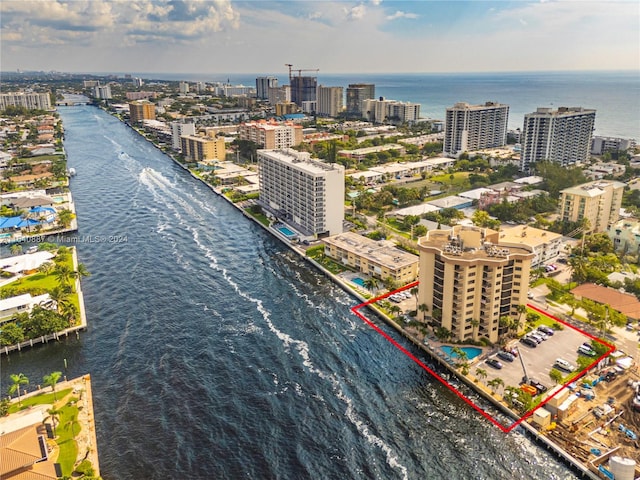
170	197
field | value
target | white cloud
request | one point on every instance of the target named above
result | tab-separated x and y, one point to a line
401	14
356	13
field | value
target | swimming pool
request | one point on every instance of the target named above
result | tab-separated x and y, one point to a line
358	281
472	352
286	232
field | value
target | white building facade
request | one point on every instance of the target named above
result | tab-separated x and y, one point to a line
31	101
329	101
305	193
475	127
562	136
179	129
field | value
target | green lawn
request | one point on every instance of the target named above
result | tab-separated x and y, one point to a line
40	399
39	282
67	430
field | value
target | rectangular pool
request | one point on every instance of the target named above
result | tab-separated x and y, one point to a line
286	232
358	281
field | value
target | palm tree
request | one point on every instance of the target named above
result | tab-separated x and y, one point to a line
521	309
464	368
60	295
17	381
15	249
510	394
63	274
46	268
51	380
481	373
70	313
475	324
495	383
54	413
423	308
459	353
395	309
370	284
414	292
82	271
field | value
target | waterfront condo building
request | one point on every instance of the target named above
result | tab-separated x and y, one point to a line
562	136
600	145
303	89
271	134
178	129
470	279
329	101
141	110
475	127
357	93
263	84
380	259
307	194
196	149
30	101
598	202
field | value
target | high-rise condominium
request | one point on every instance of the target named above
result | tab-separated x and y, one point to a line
470	279
357	93
307	194
263	84
562	136
330	101
474	127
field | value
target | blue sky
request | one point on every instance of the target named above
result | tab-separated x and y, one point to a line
217	36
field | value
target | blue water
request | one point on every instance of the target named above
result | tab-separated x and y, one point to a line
358	281
472	352
615	95
217	356
286	232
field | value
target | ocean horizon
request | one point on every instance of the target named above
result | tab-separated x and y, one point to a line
614	94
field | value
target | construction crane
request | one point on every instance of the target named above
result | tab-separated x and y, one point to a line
299	70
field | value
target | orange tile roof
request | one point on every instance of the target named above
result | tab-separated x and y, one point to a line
624	303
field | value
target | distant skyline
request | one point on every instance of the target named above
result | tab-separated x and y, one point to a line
374	36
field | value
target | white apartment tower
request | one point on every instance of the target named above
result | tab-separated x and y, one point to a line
30	101
475	127
183	88
102	92
562	136
305	193
178	129
329	101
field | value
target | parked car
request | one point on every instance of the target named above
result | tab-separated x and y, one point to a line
529	342
588	351
563	365
513	351
534	337
506	356
494	363
541	334
548	330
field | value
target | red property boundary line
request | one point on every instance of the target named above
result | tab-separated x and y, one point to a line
505	429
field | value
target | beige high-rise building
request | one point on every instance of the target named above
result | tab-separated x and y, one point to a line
330	101
203	148
142	110
270	134
470	279
599	202
305	193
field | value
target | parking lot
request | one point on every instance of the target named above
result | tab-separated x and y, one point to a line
539	360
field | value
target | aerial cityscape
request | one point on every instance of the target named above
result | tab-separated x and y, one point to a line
374	239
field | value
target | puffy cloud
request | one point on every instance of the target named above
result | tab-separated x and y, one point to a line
401	14
132	21
356	13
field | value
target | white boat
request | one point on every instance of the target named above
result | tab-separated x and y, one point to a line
72	172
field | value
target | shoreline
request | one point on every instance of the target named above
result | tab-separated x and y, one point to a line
577	467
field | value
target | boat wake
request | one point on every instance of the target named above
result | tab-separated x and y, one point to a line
171	198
